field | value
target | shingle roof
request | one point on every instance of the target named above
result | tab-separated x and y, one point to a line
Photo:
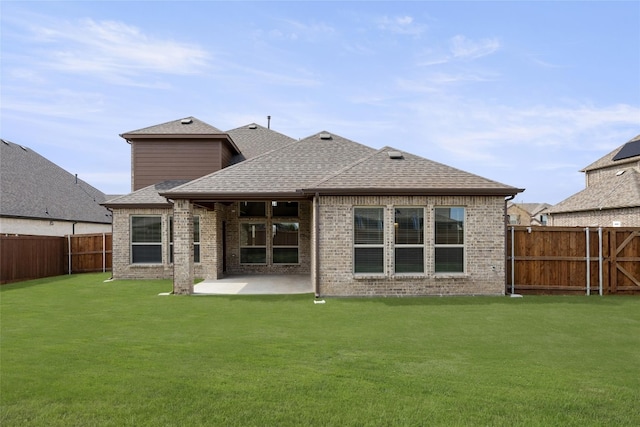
620	192
379	173
147	196
33	187
192	126
607	160
254	140
282	171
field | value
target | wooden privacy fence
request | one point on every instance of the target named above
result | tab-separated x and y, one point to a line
573	260
33	257
86	253
30	257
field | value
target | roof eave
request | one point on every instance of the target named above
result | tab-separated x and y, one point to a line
414	191
133	136
234	196
137	205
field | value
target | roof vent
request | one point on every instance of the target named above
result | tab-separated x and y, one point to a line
186	121
325	136
620	172
24	148
5	142
395	154
253	126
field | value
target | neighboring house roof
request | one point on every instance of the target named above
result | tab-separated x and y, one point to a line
147	197
622	191
632	155
254	140
390	171
532	208
279	173
33	187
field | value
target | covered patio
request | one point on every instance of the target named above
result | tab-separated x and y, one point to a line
256	284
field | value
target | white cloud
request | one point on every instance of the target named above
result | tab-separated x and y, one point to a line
464	48
400	25
115	50
292	30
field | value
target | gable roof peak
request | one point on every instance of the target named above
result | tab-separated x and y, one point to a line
184	126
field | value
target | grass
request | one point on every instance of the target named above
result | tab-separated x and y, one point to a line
76	351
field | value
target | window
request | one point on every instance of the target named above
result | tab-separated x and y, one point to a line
196	239
252	209
368	240
253	243
285	242
449	240
285	208
409	240
146	240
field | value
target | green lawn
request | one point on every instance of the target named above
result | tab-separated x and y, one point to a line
76	351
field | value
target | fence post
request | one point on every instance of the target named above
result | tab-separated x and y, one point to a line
104	253
600	261
513	262
588	263
69	245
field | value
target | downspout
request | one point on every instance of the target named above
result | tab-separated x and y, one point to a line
506	237
316	216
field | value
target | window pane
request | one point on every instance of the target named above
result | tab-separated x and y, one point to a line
196	253
196	229
253	255
285	255
252	209
409	260
369	260
409	226
253	234
285	208
449	260
146	229
449	226
368	226
285	234
146	254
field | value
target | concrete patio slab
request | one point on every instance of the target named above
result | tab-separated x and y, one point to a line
256	285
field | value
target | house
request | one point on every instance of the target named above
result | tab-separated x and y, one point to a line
527	213
359	221
612	194
37	197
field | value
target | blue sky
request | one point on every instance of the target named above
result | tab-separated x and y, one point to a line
525	93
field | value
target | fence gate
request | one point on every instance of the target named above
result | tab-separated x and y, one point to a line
573	260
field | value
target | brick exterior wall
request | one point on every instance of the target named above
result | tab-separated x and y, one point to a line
484	249
628	217
124	269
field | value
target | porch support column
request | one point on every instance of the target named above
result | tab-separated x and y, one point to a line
183	267
211	243
219	240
